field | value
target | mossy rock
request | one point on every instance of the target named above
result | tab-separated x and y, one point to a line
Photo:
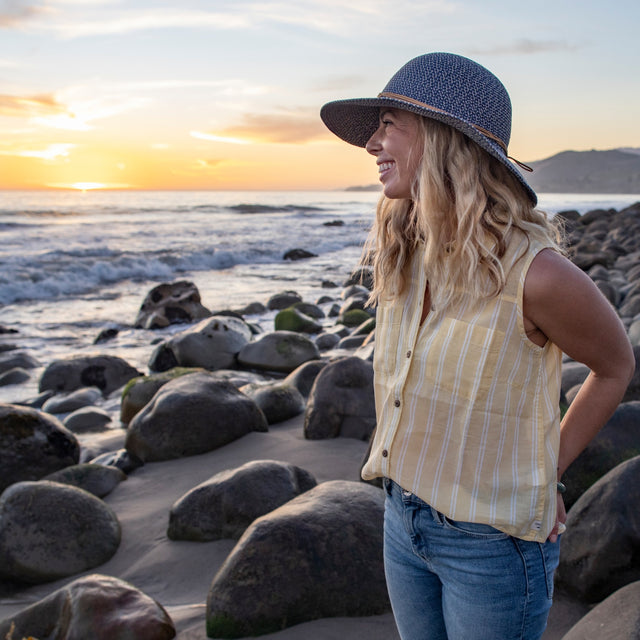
292	319
365	328
354	317
138	391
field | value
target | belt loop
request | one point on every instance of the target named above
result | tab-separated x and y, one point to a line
438	518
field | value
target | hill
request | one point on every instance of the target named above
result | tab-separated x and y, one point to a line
613	171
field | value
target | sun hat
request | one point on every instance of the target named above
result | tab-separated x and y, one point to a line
443	86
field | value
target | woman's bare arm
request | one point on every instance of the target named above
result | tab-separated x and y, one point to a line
565	305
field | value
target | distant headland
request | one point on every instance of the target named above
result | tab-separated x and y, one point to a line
612	171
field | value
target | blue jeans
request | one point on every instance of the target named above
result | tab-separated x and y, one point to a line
451	580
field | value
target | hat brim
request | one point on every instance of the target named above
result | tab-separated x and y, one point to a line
356	120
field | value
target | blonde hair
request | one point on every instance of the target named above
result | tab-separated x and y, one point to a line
465	205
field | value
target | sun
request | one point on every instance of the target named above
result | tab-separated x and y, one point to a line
87	186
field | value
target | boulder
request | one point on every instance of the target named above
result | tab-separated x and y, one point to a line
615	618
309	309
600	546
283	300
616	442
190	415
341	402
573	373
634	335
631	306
37	401
365	328
68	402
50	530
226	504
138	391
106	335
355	301
108	373
298	254
170	303
363	275
94	478
633	390
17	375
17	359
354	317
253	309
292	319
92	607
211	344
326	341
320	555
120	459
355	290
351	342
87	419
162	358
278	400
303	377
281	351
32	444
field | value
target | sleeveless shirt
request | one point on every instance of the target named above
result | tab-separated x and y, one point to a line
468	415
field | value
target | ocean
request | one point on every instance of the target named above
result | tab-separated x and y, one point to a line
74	263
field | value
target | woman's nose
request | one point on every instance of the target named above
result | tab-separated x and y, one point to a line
373	144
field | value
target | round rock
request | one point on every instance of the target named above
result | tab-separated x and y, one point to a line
341	402
320	555
281	351
108	373
50	530
225	505
33	444
93	607
211	344
190	415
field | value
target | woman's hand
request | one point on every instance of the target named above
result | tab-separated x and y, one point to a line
561	518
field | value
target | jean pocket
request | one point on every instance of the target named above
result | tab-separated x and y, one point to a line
550	559
475	529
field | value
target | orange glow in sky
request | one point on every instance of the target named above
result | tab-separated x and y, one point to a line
103	94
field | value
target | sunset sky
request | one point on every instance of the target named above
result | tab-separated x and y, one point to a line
225	94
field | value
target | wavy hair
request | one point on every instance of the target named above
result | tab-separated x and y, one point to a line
464	208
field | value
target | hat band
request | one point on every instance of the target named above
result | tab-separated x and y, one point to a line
482	130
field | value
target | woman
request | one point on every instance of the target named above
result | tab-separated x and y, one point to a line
476	304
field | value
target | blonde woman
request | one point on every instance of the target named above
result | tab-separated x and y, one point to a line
475	306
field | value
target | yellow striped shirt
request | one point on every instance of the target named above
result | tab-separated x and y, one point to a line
468	407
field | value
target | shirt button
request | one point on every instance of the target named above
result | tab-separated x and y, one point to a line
409	353
397	403
385	453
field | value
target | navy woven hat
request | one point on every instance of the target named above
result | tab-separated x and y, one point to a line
443	86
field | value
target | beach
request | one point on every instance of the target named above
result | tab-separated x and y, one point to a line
77	267
178	574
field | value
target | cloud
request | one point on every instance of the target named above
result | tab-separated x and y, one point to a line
95	17
291	127
16	12
526	46
74	113
50	152
128	21
81	112
31	106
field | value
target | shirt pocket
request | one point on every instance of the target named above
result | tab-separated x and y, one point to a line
459	357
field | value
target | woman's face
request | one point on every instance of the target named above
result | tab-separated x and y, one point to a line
397	146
